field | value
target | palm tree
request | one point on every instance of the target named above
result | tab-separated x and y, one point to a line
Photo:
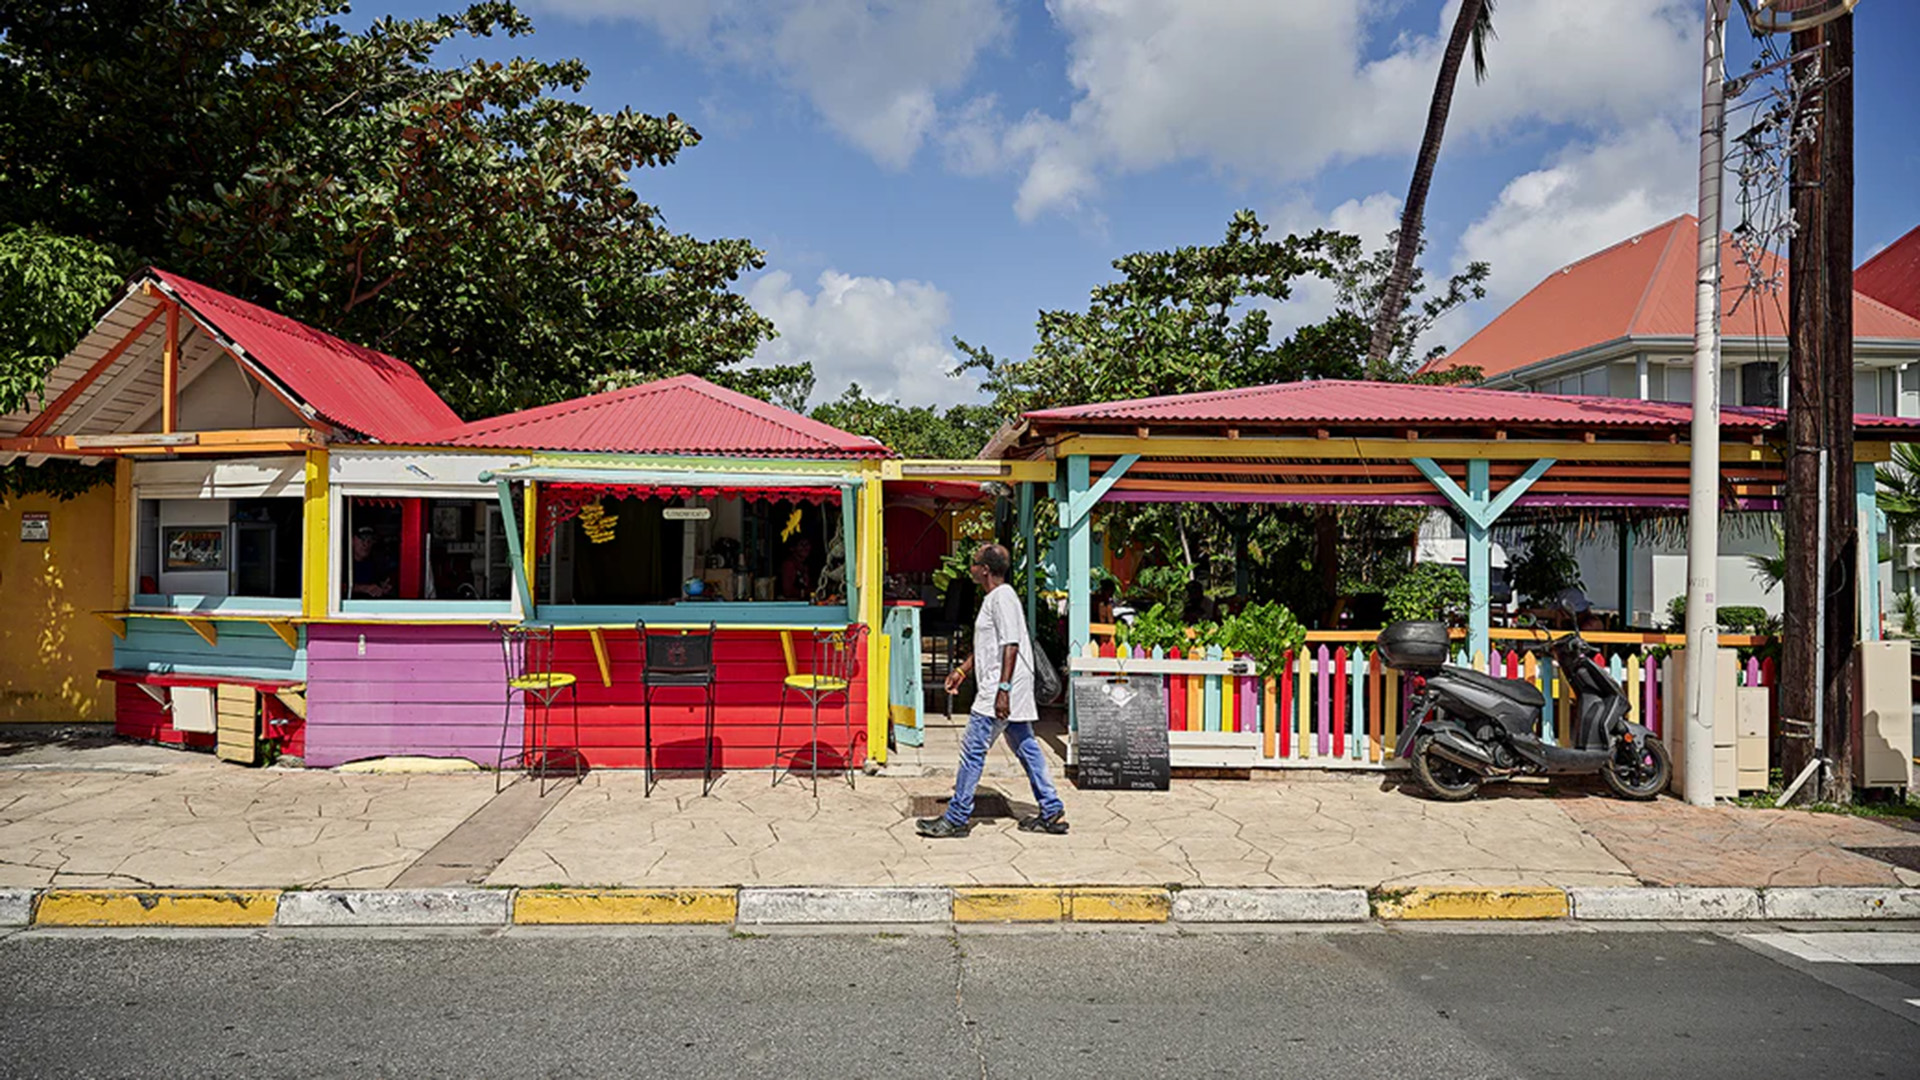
1899	490
1473	26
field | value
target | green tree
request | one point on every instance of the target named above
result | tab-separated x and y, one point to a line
477	220
51	288
920	431
1472	26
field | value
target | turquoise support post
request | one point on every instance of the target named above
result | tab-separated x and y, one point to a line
1479	563
1032	549
510	521
1626	573
1076	537
1867	502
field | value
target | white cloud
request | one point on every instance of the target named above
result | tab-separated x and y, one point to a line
1589	196
890	337
874	69
1280	91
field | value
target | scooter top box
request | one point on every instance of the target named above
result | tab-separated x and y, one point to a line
1414	646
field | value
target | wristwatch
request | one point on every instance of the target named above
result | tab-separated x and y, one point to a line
1006	688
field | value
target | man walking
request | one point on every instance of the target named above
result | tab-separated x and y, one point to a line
1003	667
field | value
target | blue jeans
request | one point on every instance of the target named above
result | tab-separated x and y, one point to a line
973	761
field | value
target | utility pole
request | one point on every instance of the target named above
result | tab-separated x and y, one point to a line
1835	148
1802	635
1703	493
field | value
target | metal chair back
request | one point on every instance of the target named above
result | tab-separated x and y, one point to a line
677	657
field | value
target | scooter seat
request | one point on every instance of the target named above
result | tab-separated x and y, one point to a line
1518	691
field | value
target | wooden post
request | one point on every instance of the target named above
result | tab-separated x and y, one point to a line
124	521
316	535
170	372
1835	145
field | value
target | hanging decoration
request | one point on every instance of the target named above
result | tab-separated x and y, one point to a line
793	526
597	523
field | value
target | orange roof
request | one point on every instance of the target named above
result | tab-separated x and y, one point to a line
1643	287
1893	276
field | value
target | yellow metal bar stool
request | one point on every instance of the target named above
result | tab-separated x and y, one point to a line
528	652
836	663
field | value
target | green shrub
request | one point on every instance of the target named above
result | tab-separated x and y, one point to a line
1430	591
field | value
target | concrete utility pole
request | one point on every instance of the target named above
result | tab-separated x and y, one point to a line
1703	495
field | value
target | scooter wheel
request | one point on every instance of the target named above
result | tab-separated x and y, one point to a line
1639	770
1444	780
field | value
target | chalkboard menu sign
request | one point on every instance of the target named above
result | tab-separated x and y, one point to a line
1120	740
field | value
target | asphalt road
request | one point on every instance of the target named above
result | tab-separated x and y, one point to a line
1363	1002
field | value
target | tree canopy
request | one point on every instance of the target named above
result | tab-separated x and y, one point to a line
476	220
1202	318
912	430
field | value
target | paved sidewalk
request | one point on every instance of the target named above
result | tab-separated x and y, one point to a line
113	814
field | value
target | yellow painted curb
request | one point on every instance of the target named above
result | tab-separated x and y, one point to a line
157	907
1441	902
1137	905
563	907
1009	905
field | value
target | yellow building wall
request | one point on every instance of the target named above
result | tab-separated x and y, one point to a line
50	643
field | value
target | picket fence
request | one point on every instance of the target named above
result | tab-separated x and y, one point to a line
1335	703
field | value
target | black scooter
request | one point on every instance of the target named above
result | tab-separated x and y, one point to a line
1466	727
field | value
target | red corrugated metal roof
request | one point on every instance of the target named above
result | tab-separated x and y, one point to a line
1893	276
1643	287
349	385
1331	402
681	415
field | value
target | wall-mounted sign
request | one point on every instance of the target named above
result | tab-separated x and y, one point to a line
35	527
194	547
687	513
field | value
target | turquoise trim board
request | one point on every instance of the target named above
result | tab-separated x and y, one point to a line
188	604
770	613
246	651
477	610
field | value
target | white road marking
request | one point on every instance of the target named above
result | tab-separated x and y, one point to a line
1847	946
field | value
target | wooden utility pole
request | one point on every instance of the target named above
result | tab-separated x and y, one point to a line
1820	628
1843	535
1801	631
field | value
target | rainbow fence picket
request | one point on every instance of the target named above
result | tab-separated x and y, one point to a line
1335	704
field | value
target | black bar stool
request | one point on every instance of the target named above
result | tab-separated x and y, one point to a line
677	659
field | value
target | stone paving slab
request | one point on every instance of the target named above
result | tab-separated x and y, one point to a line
183	820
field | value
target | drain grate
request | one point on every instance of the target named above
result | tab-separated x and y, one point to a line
987	803
1907	858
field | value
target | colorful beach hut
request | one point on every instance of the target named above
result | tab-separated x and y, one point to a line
312	555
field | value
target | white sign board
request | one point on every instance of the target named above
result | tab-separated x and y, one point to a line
35	527
687	513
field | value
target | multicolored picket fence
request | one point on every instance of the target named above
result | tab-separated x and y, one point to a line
1337	705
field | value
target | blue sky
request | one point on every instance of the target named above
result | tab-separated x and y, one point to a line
920	169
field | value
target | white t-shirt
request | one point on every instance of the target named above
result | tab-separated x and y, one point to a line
1001	623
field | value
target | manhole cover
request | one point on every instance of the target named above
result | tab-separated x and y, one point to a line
987	803
1907	858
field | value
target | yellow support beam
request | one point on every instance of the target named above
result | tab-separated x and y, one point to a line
976	469
600	655
317	544
123	526
206	628
530	523
871	553
285	631
115	623
1105	446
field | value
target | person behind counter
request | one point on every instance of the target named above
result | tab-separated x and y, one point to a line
796	573
372	570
